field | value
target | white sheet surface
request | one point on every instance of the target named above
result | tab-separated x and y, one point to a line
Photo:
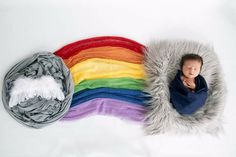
30	26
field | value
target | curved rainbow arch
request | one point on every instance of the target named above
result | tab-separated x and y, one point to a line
108	77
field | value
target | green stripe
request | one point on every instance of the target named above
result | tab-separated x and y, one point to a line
126	83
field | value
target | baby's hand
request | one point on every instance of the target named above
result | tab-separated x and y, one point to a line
190	84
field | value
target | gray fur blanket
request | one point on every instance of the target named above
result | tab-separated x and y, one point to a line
162	60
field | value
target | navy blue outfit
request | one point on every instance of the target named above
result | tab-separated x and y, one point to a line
183	99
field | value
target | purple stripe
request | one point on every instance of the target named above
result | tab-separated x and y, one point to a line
106	106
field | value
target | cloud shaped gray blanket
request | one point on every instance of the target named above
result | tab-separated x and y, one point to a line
38	110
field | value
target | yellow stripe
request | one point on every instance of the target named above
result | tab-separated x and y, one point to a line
105	68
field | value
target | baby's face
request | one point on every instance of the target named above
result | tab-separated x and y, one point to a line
191	68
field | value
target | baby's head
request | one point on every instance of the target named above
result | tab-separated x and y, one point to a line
191	65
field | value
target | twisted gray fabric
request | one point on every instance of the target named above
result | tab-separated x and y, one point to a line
38	112
162	61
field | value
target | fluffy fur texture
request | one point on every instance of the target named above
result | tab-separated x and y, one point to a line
162	59
26	88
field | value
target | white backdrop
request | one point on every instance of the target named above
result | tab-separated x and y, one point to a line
30	26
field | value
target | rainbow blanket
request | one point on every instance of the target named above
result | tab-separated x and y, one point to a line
108	77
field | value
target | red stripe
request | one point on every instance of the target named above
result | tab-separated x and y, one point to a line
73	48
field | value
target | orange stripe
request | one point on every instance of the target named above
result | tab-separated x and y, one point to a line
106	52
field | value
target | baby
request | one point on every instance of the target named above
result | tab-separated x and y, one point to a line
188	91
191	65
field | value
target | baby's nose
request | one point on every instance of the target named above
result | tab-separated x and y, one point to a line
192	70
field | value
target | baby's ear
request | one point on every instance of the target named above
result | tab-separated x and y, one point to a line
200	69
